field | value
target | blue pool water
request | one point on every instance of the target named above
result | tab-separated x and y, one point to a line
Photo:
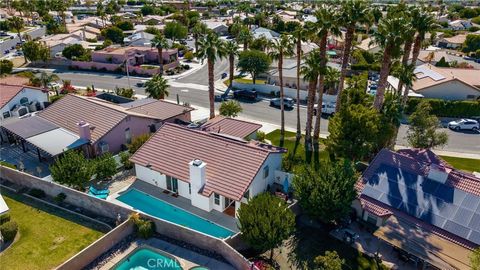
147	259
165	211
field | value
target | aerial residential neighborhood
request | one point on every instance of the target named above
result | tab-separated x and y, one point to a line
250	135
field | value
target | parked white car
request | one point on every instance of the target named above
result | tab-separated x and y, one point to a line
467	124
327	108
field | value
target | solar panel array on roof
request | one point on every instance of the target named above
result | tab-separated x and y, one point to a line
443	206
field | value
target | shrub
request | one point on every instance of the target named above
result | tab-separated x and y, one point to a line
186	67
105	166
125	159
37	193
143	227
55	98
9	165
60	198
9	229
260	135
4	218
188	56
137	142
446	108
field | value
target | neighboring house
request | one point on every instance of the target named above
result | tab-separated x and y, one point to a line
153	19
104	126
140	38
433	56
419	203
267	33
445	83
57	16
287	15
232	127
215	171
452	42
56	43
459	25
368	45
219	27
17	99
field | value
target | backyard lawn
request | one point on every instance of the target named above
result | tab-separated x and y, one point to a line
46	237
466	164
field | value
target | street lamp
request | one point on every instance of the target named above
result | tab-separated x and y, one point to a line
128	74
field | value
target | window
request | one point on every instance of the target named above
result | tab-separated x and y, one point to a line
189	188
216	198
266	172
172	184
246	195
128	136
103	147
6	115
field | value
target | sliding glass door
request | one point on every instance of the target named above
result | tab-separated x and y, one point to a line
172	184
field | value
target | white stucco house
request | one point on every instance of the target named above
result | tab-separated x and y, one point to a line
214	171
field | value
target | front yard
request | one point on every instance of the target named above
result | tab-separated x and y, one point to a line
46	237
465	164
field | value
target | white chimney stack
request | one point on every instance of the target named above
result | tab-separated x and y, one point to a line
197	174
84	130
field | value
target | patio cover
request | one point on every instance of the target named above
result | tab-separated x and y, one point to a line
3	206
29	126
423	244
56	141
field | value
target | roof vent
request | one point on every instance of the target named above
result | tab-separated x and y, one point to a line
197	162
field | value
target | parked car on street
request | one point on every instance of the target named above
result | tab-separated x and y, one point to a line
141	83
466	124
224	75
287	102
245	94
327	109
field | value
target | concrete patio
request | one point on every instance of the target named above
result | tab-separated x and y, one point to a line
214	216
25	161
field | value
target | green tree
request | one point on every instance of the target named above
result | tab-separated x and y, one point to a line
35	51
45	79
472	43
231	49
157	87
104	166
253	62
265	222
175	30
17	24
475	259
72	169
160	42
6	67
329	261
230	108
422	132
124	25
310	73
326	192
245	37
211	48
74	50
424	22
114	34
442	63
137	142
199	30
124	92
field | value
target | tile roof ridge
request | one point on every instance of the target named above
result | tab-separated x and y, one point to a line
111	106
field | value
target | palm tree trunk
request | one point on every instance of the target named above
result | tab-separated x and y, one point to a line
382	82
321	85
310	101
299	52
406	54
346	58
160	59
211	89
245	45
282	105
416	48
231	59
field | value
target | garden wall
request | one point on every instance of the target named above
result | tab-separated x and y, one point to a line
106	242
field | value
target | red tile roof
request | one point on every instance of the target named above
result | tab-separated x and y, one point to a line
230	126
231	164
160	109
10	87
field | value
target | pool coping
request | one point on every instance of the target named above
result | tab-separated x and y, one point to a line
120	193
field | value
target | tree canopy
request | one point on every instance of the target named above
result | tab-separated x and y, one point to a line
72	169
422	132
6	67
329	261
35	51
175	30
230	108
74	50
114	34
253	62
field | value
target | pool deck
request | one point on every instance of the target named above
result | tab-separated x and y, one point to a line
187	258
215	216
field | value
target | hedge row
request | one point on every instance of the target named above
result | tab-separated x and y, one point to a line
445	108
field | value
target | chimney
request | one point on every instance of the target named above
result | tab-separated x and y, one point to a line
84	130
197	174
438	173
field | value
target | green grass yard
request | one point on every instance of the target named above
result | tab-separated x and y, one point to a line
245	81
465	164
46	237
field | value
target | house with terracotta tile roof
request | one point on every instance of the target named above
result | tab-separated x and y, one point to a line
216	172
17	99
233	127
103	126
419	203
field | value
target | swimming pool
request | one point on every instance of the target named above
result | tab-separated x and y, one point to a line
147	259
158	208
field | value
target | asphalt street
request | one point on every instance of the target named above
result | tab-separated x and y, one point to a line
193	89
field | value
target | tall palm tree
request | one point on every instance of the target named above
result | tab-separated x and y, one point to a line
157	87
409	35
423	22
327	23
17	24
46	79
231	49
332	78
310	71
245	37
299	35
352	12
211	48
199	30
160	42
280	48
389	36
405	73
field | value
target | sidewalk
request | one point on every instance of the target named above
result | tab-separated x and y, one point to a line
446	153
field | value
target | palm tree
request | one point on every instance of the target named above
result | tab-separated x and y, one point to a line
409	34
198	31
280	48
332	78
352	12
231	49
310	72
299	35
157	87
389	36
405	73
211	48
160	42
245	37
17	24
327	23
423	22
